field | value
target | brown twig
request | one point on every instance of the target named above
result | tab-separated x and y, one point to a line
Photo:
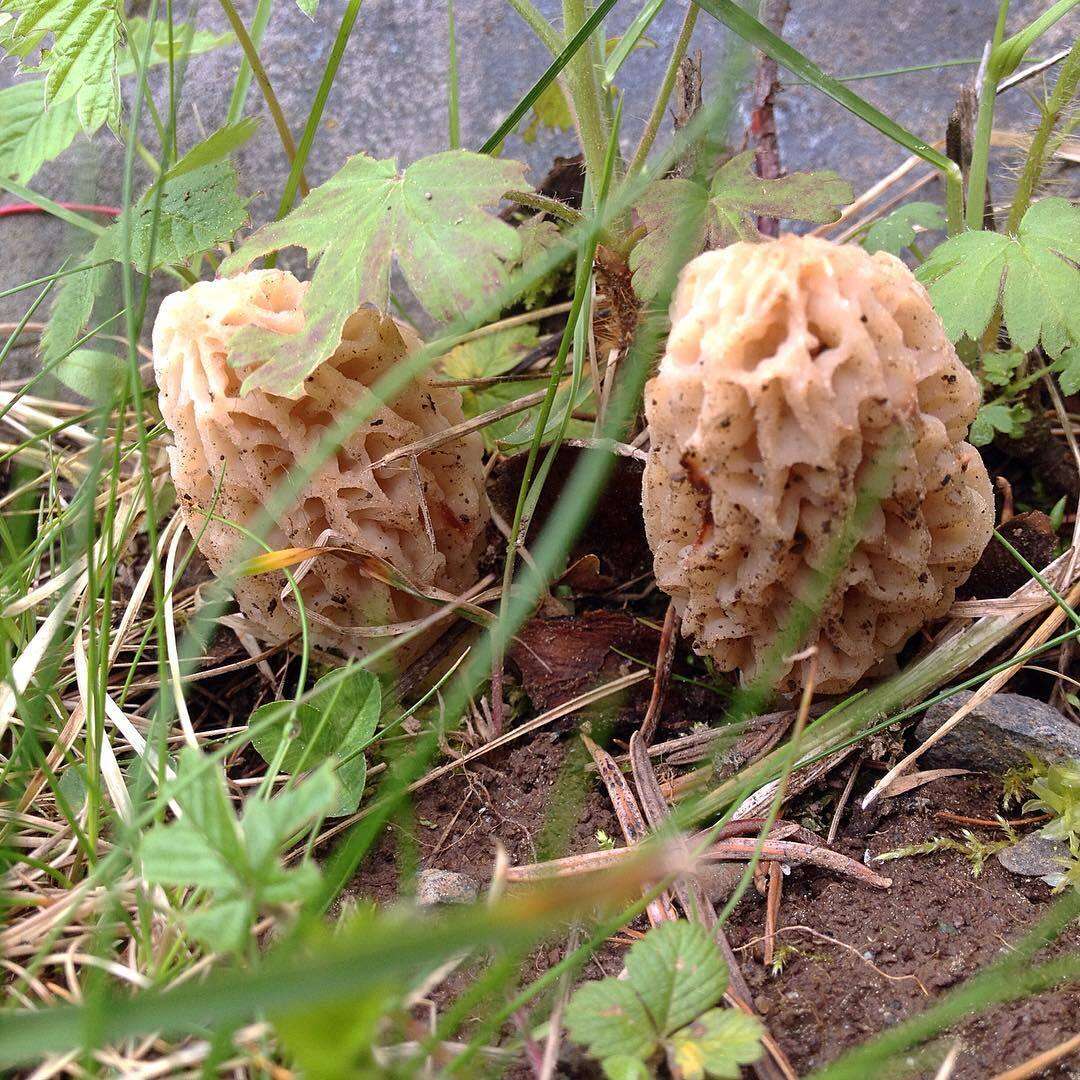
960	819
665	656
1035	1066
772	910
841	803
738	848
631	821
762	130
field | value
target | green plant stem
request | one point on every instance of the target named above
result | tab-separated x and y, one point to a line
539	25
453	105
296	169
663	96
243	77
984	128
252	54
545	205
584	94
1060	99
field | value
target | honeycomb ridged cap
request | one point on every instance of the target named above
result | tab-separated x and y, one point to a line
799	375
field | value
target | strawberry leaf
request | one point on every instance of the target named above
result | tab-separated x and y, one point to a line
609	1018
687	213
897	231
1033	275
431	218
717	1044
678	973
1068	369
738	195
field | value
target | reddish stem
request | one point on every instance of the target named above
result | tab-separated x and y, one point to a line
81	208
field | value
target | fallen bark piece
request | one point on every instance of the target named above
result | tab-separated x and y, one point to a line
423	516
999	734
807	444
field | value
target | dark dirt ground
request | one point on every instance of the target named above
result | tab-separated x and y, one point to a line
936	926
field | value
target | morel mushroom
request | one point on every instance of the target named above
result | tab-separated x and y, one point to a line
422	514
799	374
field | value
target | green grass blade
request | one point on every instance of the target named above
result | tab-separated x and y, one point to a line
628	42
495	139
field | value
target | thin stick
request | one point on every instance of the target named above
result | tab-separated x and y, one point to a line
1034	1066
772	910
665	655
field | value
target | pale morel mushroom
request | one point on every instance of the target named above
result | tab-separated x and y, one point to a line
799	377
423	514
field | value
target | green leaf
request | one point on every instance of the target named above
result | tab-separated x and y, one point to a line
717	1044
999	367
670	210
610	1019
198	209
336	723
179	854
204	799
270	823
896	231
990	419
625	1067
81	57
431	218
551	110
215	148
678	972
737	195
308	7
685	210
1068	369
1032	274
30	134
202	41
94	374
222	927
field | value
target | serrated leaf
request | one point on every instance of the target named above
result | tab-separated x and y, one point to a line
671	211
678	972
610	1019
79	40
897	230
685	212
1068	369
486	357
999	367
990	419
94	374
198	210
30	134
431	219
737	195
1032	274
717	1044
337	723
215	148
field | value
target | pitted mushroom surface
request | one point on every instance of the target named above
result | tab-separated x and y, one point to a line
808	425
423	514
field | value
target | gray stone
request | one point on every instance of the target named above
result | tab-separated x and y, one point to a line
435	887
999	734
389	98
1035	856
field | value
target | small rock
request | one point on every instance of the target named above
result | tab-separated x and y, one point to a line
1035	856
434	887
999	733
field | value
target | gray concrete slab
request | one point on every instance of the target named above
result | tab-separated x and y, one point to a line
390	96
